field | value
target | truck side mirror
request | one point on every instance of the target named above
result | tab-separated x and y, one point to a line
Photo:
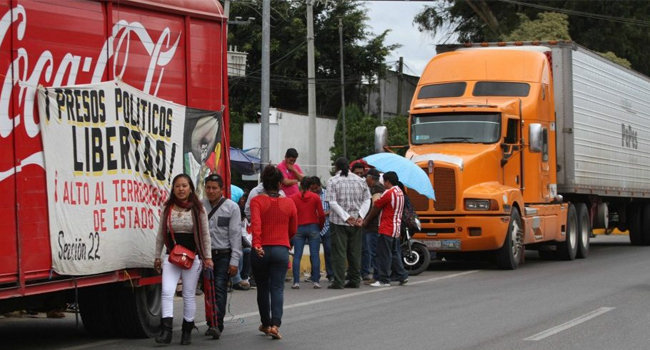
381	138
535	137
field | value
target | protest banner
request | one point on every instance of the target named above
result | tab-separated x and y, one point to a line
111	152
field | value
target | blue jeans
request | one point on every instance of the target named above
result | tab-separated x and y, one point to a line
326	240
241	274
389	260
369	254
311	234
269	272
221	278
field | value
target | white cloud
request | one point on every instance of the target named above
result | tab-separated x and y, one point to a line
417	48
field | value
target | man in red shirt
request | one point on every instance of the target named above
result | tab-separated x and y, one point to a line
291	172
390	207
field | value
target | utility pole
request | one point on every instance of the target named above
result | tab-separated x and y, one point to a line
266	77
311	88
400	69
345	147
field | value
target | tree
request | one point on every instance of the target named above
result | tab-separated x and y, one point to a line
618	26
360	134
548	26
398	133
364	55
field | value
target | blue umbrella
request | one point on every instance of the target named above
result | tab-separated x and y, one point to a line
411	175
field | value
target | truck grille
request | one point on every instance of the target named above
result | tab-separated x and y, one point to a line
444	184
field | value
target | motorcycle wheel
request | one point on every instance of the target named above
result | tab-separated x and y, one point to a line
417	261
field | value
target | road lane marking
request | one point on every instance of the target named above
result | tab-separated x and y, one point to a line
564	326
350	295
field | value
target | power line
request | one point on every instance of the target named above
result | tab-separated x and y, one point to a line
632	21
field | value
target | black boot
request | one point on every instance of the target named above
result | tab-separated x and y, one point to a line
166	325
186	336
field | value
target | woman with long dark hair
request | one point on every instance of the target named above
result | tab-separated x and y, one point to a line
311	219
274	222
183	221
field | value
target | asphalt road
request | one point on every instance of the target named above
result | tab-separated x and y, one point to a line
602	302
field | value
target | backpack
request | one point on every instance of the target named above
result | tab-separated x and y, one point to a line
409	216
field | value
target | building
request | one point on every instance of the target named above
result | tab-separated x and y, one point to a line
383	97
291	130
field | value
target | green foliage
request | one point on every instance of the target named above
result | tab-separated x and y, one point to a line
360	134
612	57
398	133
364	55
619	26
548	26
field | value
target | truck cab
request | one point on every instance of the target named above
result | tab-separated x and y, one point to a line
482	126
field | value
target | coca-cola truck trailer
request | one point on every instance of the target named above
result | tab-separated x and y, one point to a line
172	50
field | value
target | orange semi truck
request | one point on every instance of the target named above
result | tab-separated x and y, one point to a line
529	146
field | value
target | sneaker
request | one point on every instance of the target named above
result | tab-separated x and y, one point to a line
351	285
242	285
295	286
380	284
404	281
316	285
367	278
370	281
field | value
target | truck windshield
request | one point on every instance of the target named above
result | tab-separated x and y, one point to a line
454	128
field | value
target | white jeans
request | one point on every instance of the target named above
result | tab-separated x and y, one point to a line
170	276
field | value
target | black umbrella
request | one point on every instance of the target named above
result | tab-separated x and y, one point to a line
243	163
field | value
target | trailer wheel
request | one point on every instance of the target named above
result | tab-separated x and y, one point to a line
509	255
634	224
584	231
140	311
567	250
96	305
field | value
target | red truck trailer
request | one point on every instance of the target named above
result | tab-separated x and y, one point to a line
174	50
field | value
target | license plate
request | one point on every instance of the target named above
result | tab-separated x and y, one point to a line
443	244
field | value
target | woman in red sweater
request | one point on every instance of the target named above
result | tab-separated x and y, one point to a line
274	222
310	221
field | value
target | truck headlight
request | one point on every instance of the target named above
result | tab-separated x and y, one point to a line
481	204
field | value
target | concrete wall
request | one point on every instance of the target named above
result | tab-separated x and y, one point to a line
288	129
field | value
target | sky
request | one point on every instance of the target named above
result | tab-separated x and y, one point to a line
417	48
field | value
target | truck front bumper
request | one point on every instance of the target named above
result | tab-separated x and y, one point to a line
463	233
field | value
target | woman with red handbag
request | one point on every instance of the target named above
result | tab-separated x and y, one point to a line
184	232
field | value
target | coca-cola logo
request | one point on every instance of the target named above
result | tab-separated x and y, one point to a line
24	75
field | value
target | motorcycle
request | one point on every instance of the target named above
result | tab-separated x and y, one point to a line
415	255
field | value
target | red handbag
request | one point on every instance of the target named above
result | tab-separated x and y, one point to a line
180	256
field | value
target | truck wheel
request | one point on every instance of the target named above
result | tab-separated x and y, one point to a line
567	250
417	261
139	311
97	309
634	224
509	255
584	231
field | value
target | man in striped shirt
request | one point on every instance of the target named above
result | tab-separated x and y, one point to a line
390	207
